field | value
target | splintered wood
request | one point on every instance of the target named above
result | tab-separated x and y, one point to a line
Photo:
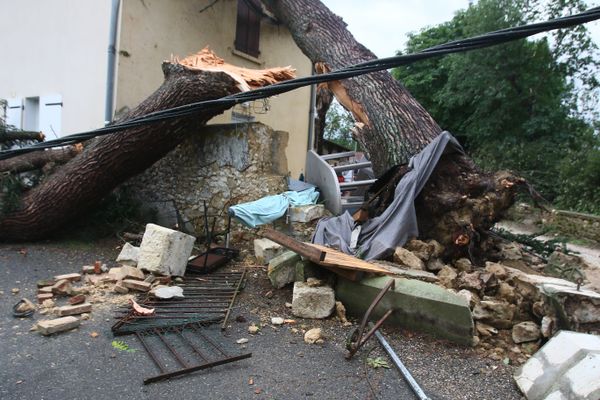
206	60
342	264
335	258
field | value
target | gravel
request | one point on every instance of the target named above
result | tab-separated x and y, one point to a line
77	365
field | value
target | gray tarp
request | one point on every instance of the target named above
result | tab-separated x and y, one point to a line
381	235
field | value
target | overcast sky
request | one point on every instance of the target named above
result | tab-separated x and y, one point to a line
382	25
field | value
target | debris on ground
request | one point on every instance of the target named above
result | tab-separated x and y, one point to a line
24	308
566	367
50	326
314	336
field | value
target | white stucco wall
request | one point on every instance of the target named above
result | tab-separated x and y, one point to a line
57	47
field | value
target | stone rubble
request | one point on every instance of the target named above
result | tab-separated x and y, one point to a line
312	301
165	251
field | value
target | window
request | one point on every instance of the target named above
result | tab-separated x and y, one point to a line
247	29
43	113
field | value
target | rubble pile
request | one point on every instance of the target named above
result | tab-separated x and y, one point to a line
163	254
516	306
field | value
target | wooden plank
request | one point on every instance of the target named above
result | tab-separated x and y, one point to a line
336	258
304	249
340	263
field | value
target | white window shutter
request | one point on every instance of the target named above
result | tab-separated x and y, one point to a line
14	112
51	115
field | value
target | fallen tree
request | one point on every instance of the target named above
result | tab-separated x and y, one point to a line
9	135
37	160
108	161
459	202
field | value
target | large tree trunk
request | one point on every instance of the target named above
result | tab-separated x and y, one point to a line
459	202
391	125
110	160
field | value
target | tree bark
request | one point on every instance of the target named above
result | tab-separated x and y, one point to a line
323	101
36	160
458	202
110	160
391	125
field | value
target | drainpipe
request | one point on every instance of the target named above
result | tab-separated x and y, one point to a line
311	115
112	56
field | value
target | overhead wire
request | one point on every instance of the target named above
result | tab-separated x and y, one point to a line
458	46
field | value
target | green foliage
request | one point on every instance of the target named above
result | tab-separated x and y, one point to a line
377	362
522	106
543	248
338	125
122	346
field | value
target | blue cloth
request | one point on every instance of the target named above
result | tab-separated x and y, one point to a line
268	209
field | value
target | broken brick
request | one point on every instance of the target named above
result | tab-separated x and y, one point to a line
44	296
74	277
45	290
50	326
80	298
73	310
88	269
137	285
45	282
62	287
119	288
132	273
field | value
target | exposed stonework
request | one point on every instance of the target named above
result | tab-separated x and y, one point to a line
223	164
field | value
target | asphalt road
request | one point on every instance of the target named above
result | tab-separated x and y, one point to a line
75	365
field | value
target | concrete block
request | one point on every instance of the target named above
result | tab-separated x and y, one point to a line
74	277
567	365
136	285
74	310
282	269
165	251
265	250
584	378
129	255
312	302
50	326
419	305
306	213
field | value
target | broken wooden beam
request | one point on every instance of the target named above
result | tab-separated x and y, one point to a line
330	259
305	250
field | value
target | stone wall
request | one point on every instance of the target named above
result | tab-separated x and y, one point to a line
223	164
577	224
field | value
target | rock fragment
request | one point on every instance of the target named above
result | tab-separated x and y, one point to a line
407	258
312	302
129	255
527	331
313	336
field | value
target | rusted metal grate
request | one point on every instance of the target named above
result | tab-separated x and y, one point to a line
207	299
179	350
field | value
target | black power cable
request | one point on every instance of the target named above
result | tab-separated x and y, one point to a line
458	46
